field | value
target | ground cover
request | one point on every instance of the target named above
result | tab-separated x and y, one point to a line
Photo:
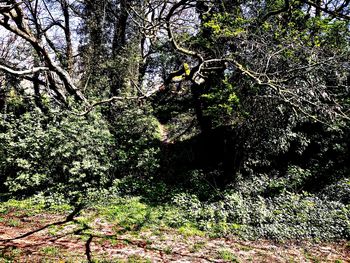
135	232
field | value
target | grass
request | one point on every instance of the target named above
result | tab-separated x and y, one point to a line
130	259
138	259
189	230
196	247
312	258
13	222
245	248
9	255
51	251
227	255
168	250
31	206
53	230
3	210
131	215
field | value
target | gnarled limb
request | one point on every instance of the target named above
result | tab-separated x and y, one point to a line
14	21
171	34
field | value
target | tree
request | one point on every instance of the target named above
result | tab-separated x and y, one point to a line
251	67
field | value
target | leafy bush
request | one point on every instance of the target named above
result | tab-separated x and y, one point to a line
137	138
68	154
339	191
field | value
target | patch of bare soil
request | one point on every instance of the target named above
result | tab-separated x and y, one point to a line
51	238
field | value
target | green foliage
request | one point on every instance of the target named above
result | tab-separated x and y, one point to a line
225	25
286	216
9	255
33	206
189	230
51	251
66	153
137	136
137	259
293	181
227	255
222	103
130	214
187	69
338	191
14	100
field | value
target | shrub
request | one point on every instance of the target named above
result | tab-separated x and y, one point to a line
62	153
137	138
339	191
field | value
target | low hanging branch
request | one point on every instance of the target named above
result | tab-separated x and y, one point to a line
22	72
92	106
287	95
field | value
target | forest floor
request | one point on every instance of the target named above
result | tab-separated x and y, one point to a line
30	236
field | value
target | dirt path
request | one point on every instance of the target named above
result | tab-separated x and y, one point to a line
164	133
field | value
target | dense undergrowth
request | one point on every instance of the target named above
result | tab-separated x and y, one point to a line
124	174
286	217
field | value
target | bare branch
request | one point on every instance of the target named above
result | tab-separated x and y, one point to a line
20	27
171	34
23	72
335	13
